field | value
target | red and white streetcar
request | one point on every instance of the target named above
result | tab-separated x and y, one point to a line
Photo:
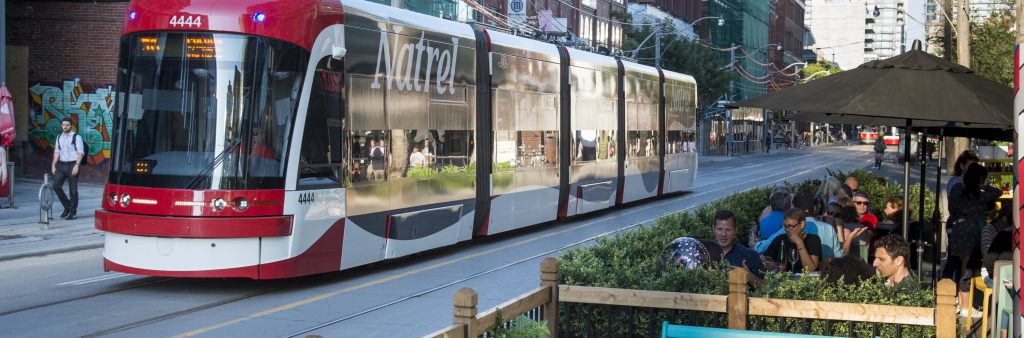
274	139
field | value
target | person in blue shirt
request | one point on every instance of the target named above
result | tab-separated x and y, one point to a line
780	201
738	255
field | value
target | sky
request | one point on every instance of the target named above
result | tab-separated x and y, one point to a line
915	31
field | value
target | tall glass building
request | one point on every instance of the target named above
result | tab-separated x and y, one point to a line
884	29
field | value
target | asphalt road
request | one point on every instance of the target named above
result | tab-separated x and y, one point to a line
69	295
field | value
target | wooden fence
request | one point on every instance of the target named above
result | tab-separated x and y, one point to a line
544	301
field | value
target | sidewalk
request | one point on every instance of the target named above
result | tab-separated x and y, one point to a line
21	234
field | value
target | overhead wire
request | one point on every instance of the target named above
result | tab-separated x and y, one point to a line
504	20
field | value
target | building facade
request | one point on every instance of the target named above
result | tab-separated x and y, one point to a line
681	14
601	23
788	30
598	24
743	42
838	29
884	29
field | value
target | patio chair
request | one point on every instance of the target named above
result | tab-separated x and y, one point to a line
978	284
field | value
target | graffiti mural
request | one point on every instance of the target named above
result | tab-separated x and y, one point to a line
89	108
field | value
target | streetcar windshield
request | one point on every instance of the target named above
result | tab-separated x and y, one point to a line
205	110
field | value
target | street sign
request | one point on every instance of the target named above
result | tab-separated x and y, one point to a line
517	11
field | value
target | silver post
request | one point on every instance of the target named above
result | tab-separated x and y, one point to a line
906	180
45	202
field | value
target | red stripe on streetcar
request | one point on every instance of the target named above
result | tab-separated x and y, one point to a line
193	227
323	256
245	271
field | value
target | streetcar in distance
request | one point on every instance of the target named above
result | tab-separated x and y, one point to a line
867	134
275	139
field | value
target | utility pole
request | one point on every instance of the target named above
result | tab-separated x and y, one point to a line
657	47
963	50
732	63
947	31
963	33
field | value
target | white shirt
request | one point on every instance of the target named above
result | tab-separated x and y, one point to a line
69	152
417	160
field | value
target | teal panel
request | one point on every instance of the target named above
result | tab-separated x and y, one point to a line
680	331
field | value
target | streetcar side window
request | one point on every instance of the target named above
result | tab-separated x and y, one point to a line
320	162
371	156
594	121
370	139
641	119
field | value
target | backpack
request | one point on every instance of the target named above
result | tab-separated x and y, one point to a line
85	147
879	147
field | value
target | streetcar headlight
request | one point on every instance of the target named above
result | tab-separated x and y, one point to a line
218	204
132	15
240	204
259	17
125	200
113	199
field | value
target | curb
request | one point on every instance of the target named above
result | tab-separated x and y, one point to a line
80	247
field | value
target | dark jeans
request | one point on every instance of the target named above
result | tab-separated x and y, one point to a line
952	268
64	172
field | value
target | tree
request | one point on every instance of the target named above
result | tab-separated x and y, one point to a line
992	48
991	45
683	56
817	70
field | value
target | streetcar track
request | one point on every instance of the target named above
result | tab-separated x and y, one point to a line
616	231
180	313
73	299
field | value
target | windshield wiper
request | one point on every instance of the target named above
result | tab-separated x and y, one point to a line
209	167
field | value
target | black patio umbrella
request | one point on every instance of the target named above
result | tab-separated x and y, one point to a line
914	85
971	130
911	89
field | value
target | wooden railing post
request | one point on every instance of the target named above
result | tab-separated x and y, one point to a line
736	303
549	277
945	309
465	301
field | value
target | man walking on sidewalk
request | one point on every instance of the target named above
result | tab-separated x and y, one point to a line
67	154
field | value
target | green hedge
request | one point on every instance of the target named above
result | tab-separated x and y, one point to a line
631	260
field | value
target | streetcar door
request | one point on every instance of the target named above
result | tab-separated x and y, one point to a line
318	222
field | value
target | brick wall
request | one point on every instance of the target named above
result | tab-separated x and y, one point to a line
67	40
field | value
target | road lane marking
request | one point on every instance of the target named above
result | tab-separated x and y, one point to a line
101	278
478	254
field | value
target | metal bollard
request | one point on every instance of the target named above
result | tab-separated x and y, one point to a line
10	195
46	202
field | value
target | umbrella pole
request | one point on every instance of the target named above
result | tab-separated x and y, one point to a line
936	219
906	179
923	147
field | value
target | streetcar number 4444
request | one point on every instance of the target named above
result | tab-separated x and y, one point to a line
186	21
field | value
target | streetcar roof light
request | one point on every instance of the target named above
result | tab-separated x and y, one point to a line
132	15
259	17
